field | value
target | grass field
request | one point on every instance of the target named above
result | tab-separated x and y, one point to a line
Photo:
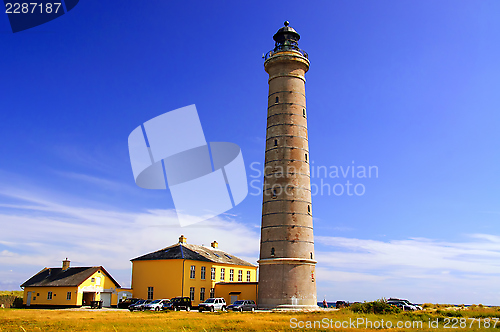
14	293
123	320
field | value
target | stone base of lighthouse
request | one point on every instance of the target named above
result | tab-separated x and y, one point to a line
287	283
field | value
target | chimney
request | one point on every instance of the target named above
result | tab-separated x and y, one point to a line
65	264
214	244
182	239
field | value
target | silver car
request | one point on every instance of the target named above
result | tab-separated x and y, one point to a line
243	305
156	305
404	304
213	304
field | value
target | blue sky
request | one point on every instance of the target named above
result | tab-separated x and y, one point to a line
410	88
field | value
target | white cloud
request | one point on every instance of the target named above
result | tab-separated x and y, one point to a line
39	229
425	270
41	232
480	256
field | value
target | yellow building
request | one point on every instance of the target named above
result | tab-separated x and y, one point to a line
70	286
196	271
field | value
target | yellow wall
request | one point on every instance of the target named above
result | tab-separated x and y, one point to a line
197	282
165	276
116	296
39	296
59	293
246	291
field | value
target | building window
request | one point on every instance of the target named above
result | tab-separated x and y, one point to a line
231	275
192	275
68	296
202	294
150	293
222	274
240	275
277	100
212	292
92	280
275	142
203	272
49	295
191	293
272	251
248	276
212	276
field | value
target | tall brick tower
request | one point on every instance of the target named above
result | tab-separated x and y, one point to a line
287	265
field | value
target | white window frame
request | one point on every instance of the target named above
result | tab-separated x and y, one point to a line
191	293
150	293
202	294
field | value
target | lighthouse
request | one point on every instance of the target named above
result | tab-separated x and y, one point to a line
287	263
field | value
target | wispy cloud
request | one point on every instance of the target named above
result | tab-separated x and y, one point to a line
40	228
426	270
479	256
97	181
90	236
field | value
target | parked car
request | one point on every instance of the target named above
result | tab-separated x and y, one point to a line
125	303
402	304
413	306
417	307
213	304
243	305
139	305
155	305
178	303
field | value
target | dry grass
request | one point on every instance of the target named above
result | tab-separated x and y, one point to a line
122	320
14	293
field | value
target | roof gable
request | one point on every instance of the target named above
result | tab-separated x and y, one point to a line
71	277
194	252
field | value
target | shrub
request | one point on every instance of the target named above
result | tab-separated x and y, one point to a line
11	301
452	313
375	307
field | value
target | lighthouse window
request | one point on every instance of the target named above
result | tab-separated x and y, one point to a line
274	193
272	251
306	157
309	209
275	142
277	100
311	255
304	112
